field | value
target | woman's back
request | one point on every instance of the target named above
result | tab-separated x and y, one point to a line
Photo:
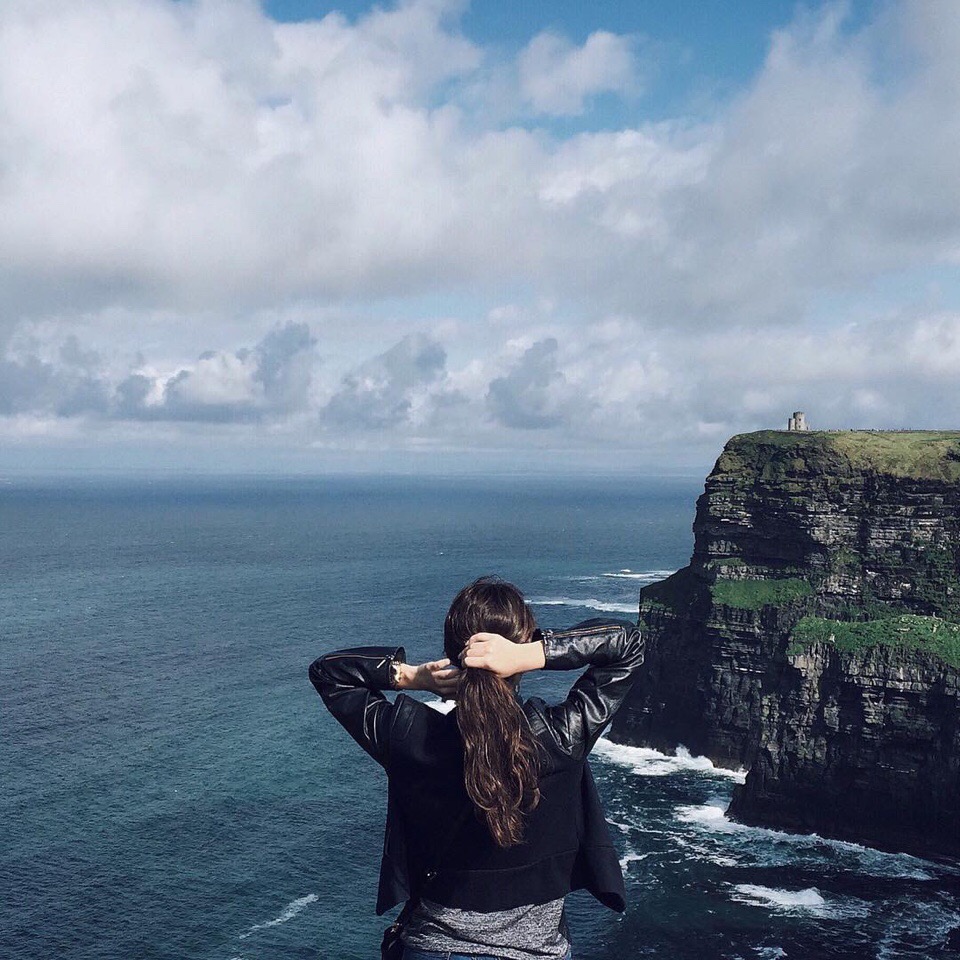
428	786
492	814
425	776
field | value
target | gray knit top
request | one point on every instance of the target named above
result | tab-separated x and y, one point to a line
522	933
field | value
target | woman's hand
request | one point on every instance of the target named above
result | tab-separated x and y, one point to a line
437	676
491	651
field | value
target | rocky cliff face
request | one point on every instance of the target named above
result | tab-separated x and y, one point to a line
862	745
815	636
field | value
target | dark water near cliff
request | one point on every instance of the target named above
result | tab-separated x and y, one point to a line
172	787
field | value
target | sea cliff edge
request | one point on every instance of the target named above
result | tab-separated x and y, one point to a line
814	638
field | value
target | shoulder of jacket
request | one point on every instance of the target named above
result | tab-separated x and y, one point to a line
535	709
550	737
404	712
408	711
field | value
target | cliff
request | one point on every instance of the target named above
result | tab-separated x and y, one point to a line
814	638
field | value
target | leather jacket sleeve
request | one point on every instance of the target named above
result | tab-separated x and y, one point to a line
612	650
350	683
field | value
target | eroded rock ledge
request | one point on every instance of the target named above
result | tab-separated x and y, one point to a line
814	638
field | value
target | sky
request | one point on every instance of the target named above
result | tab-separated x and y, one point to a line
434	236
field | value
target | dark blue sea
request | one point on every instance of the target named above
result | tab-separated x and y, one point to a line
172	787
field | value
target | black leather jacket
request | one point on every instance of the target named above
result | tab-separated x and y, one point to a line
566	843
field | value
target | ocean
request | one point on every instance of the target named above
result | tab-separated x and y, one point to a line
174	788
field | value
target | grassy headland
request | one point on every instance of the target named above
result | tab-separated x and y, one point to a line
920	454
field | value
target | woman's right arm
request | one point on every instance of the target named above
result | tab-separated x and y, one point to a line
351	683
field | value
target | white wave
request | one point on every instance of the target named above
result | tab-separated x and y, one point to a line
772	847
647	762
289	912
712	816
631	857
722	861
782	901
650	575
705	852
589	603
808	901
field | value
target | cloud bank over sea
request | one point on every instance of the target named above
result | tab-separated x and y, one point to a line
377	232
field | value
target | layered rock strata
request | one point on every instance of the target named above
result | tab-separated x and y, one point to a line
814	638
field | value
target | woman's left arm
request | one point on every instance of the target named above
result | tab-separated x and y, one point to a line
351	684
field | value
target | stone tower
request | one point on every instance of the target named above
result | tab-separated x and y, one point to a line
798	421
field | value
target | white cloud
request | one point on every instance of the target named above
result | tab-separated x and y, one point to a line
198	154
270	380
216	380
557	77
608	386
184	179
390	390
534	394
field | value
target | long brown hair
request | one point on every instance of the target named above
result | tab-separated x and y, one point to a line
500	767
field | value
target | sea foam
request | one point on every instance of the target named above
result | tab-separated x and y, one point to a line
289	912
649	576
632	857
773	847
588	603
646	762
809	900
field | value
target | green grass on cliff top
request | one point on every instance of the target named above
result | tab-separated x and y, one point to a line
941	638
921	454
